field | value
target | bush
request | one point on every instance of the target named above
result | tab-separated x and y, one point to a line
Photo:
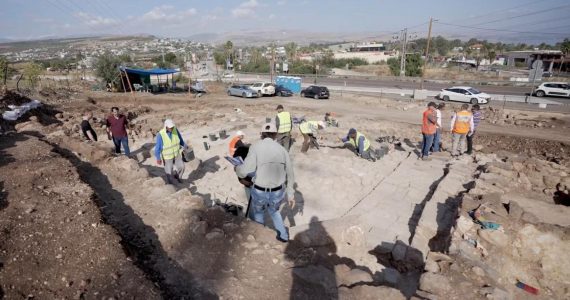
32	72
107	68
414	64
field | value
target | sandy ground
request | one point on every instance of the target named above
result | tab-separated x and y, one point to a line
176	235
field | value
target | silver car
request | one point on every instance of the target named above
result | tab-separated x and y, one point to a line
242	91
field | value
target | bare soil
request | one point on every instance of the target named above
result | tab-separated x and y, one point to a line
78	222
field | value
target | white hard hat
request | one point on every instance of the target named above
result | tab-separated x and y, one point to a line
322	124
269	128
240	133
168	123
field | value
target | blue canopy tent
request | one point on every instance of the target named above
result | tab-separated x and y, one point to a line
140	79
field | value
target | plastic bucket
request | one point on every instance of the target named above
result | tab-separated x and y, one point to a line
223	134
213	137
189	155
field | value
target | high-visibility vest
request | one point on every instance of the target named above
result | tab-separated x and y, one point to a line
309	127
285	123
427	126
170	146
462	119
354	142
233	143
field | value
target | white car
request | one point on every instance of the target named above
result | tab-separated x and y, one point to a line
553	89
264	88
464	94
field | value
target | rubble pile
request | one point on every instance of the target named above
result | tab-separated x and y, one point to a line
511	235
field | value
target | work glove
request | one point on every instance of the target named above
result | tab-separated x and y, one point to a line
159	162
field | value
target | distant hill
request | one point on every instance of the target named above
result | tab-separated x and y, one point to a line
263	37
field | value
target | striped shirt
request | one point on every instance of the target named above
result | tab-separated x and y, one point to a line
477	116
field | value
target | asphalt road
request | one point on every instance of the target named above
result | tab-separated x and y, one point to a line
407	85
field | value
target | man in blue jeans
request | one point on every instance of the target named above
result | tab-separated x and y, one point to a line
117	128
273	180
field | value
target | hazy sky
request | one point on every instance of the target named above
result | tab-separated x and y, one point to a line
537	20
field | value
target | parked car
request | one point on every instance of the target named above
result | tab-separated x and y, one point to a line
553	89
315	91
242	91
464	94
283	91
263	88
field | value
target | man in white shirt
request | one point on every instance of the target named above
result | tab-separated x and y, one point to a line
437	139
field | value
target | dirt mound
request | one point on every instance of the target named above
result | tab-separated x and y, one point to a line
54	242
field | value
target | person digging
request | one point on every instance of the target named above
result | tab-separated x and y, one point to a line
168	151
358	143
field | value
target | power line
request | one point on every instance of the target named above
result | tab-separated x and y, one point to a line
68	11
502	30
501	10
520	16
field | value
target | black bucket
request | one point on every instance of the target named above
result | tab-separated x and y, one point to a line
223	134
188	155
213	137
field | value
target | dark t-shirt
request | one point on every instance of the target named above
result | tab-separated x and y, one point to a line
85	127
117	125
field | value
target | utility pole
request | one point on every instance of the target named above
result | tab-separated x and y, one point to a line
403	56
272	67
427	54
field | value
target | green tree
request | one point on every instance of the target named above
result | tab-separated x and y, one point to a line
107	68
3	68
32	73
291	51
394	65
219	58
491	55
565	46
414	63
170	58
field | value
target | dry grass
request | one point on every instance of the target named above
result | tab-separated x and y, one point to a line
378	70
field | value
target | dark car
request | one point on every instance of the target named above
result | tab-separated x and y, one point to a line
315	91
283	91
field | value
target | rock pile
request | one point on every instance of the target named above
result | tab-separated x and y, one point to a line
512	229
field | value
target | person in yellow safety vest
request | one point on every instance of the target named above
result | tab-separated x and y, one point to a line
168	151
360	144
309	129
461	126
284	124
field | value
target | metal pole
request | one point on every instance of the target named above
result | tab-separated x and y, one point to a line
403	55
533	81
427	54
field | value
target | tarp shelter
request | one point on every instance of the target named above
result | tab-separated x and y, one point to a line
142	77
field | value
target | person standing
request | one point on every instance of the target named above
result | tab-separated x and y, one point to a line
284	124
461	126
477	117
168	151
429	127
86	128
117	127
273	179
309	130
437	138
